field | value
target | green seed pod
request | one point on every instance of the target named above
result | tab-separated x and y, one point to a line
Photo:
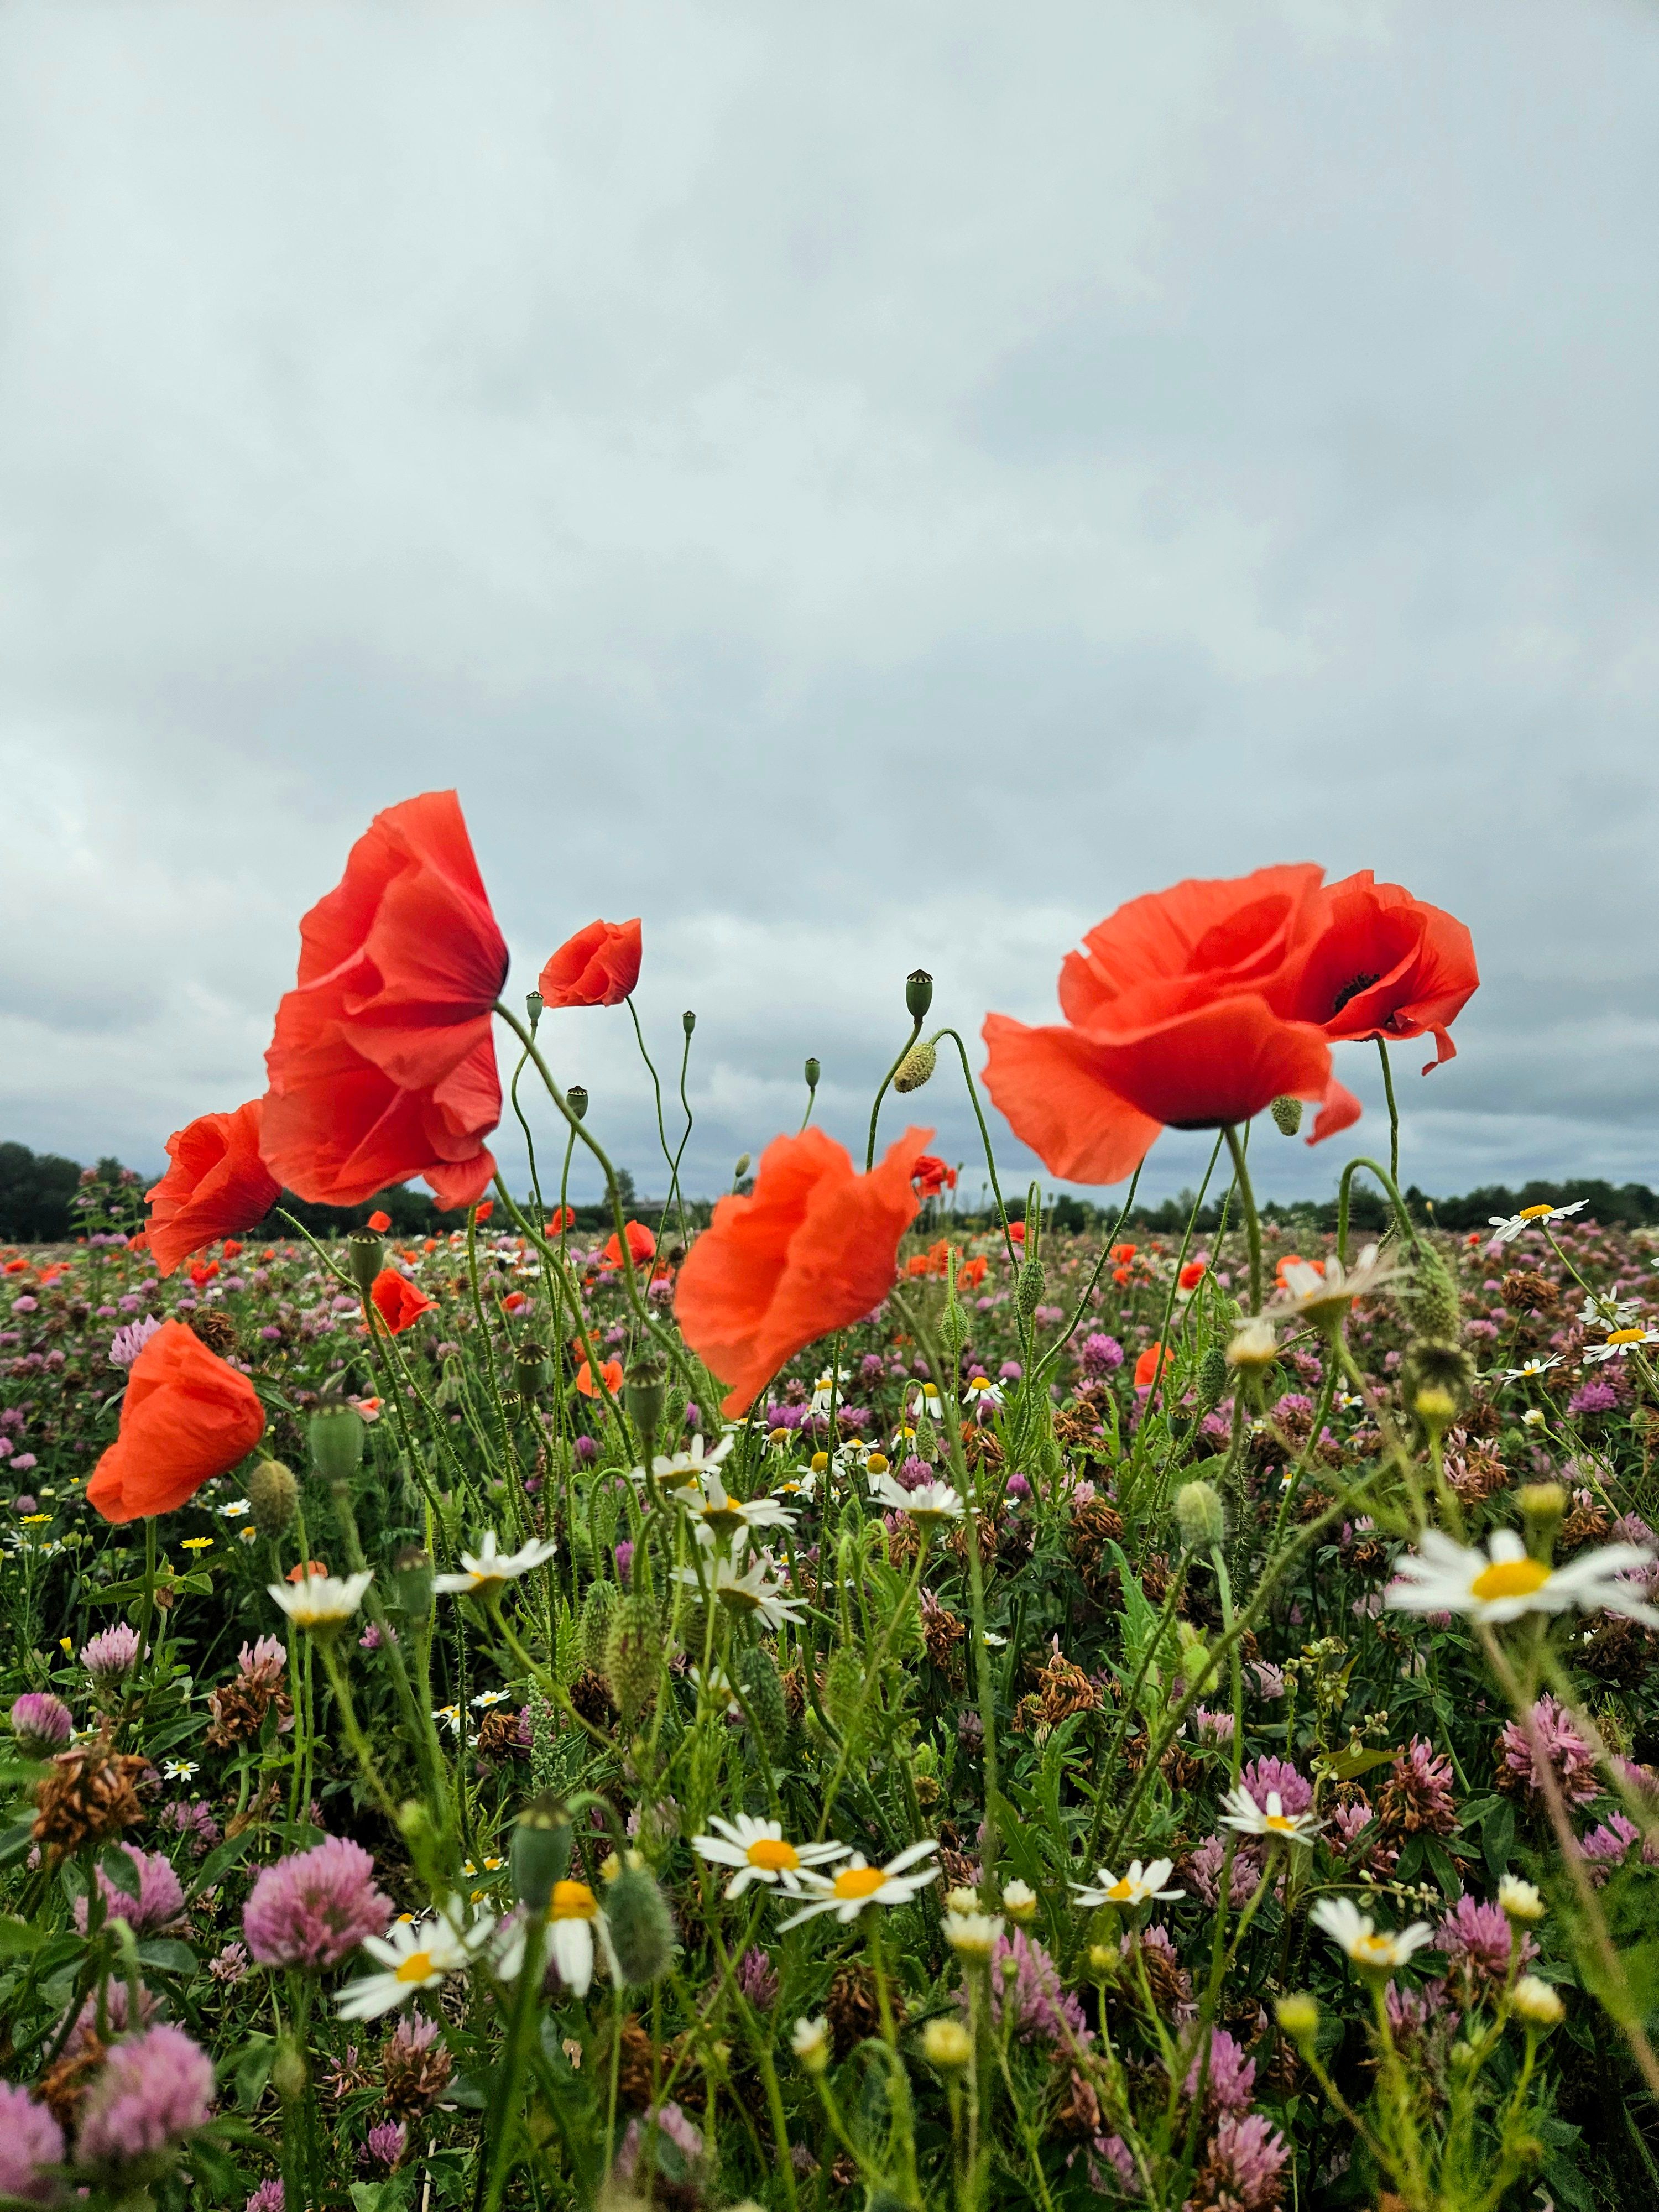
576	1099
411	1576
1213	1375
274	1495
918	993
645	1396
811	1072
1028	1295
762	1692
1199	1516
1429	1296
917	1068
640	1925
634	1655
534	1006
688	1021
844	1685
741	1168
1287	1116
601	1602
364	1256
539	1855
530	1371
953	1328
336	1437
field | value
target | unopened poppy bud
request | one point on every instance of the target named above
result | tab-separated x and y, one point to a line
918	993
1028	1295
1287	1116
274	1495
534	1006
601	1602
336	1437
640	1924
688	1021
576	1099
1430	1297
917	1068
539	1856
812	1071
363	1253
1199	1516
1434	1407
633	1656
1213	1378
645	1396
1298	2016
741	1168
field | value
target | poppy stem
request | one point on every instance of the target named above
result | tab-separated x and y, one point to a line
875	1111
985	1138
1394	1110
1252	1220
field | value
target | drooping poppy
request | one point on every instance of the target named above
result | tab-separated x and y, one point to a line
187	1416
1017	1232
612	1373
933	1175
380	1223
1180	1012
398	1302
216	1183
642	1246
972	1273
597	967
813	1247
383	1064
1386	965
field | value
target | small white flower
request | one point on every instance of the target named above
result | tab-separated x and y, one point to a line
1020	1901
1250	1819
857	1884
486	1697
452	1714
1535	2001
490	1566
1622	1342
1132	1889
760	1852
1600	1311
927	1400
1323	1291
1253	1344
1357	1934
716	1685
830	1382
750	1591
1530	1368
179	1770
973	1935
416	1956
931	1505
1505	1231
235	1509
1503	1582
981	1392
810	2041
692	1463
322	1602
1520	1900
719	1518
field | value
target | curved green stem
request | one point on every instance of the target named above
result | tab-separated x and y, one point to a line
1252	1220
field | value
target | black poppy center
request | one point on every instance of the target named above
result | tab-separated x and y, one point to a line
1351	990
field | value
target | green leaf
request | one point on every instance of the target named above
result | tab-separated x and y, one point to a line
218	1862
17	1936
167	1955
1498	1837
253	2070
15	1841
1348	1763
224	2178
1445	1871
121	1873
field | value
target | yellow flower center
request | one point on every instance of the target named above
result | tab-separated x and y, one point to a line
1120	1892
1281	1821
858	1882
1627	1336
774	1854
573	1901
1535	1212
876	1463
1509	1578
416	1968
1373	1946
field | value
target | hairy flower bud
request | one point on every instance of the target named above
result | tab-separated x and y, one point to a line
762	1694
918	993
1213	1378
953	1328
274	1495
1199	1516
601	1602
917	1068
645	1395
335	1434
945	2043
633	1655
1287	1116
1429	1296
1028	1294
539	1856
741	1169
640	1924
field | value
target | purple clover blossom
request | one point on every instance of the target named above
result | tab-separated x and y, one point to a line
1262	1776
312	1909
41	1724
387	2142
1480	1937
668	2125
1099	1354
1559	1743
195	1821
1246	2158
1413	2013
1596	1397
1231	2081
756	1978
230	1965
1269	1679
160	1901
29	2139
1607	1845
153	2092
1041	2006
624	1557
1212	1727
267	2198
127	1343
117	2018
111	1653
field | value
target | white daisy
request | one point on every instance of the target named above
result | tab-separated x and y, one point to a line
829	1384
1251	1820
575	1931
750	1591
416	1956
179	1770
1600	1311
760	1852
690	1463
973	1935
1505	1231
486	1697
1621	1342
452	1714
718	1516
932	1504
234	1508
1357	1934
1323	1291
490	1566
981	1393
718	1689
1529	1368
1132	1889
927	1400
322	1602
856	1885
1503	1582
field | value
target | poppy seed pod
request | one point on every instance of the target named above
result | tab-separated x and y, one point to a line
576	1099
1429	1295
534	1006
811	1072
273	1493
918	993
336	1437
601	1602
762	1692
363	1252
532	1369
644	1397
1199	1516
640	1925
539	1856
1213	1378
917	1068
1287	1116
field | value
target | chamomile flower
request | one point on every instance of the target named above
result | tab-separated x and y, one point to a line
752	1591
981	1394
1600	1311
1622	1342
179	1770
927	1400
415	1956
718	1517
1530	1369
1371	1950
487	1697
1520	1900
1135	1887
760	1852
1506	1229
689	1465
234	1508
1250	1819
1323	1291
1536	2001
452	1715
930	1505
1020	1901
322	1603
490	1567
718	1688
830	1384
1503	1582
857	1884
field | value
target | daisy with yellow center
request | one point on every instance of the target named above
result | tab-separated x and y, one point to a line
1504	1581
760	1852
415	1957
1618	1344
1250	1819
486	1570
1135	1887
858	1885
322	1603
1505	1230
718	1516
1374	1951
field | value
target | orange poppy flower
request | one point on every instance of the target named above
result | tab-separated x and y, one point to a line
306	1569
203	1271
972	1273
1387	965
187	1415
1154	1361
380	1223
563	1219
641	1245
813	1247
612	1373
383	1064
933	1175
397	1301
597	967
1192	1275
1017	1231
217	1183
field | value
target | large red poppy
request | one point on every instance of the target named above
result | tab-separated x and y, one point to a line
217	1183
1386	965
187	1416
398	1302
383	1066
597	967
814	1248
1181	1011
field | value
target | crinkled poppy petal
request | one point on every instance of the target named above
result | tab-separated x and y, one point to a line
1338	1109
1218	1062
1049	1086
598	966
1386	965
187	1416
1236	933
217	1185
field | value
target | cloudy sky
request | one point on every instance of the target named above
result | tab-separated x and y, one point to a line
859	486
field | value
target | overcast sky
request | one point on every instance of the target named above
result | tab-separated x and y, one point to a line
859	486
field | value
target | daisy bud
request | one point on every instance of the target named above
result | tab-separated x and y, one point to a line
1199	1516
812	1071
576	1099
274	1495
972	1935
1287	1116
1520	1900
1020	1901
363	1258
810	2041
918	993
1253	1345
1299	2016
336	1437
539	1856
1104	1961
1542	1504
962	1900
947	2044
533	1005
1532	1419
917	1068
1537	2002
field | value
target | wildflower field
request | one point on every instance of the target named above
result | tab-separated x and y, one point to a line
822	1700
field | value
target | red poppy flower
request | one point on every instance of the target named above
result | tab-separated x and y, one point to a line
187	1416
1387	965
1181	1011
383	1064
380	1223
1192	1275
932	1176
203	1271
813	1247
563	1218
1017	1231
642	1246
1124	1252
1154	1361
306	1569
217	1183
612	1373
972	1273
483	1210
398	1302
597	967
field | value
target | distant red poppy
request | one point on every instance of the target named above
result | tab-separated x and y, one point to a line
380	1223
597	967
1192	1275
1124	1252
216	1184
483	1210
202	1272
187	1416
612	1373
305	1570
972	1273
398	1302
642	1246
230	1250
814	1248
383	1064
1180	1012
1017	1231
1386	965
563	1219
933	1175
1155	1360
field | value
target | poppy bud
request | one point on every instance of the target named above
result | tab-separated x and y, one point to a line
336	1437
601	1602
1213	1378
1199	1516
532	1368
1430	1366
539	1856
363	1258
953	1330
274	1494
918	993
762	1692
741	1168
287	2071
576	1099
688	1021
640	1925
812	1071
411	1576
534	1005
1430	1297
1028	1295
633	1656
1287	1116
644	1397
917	1068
